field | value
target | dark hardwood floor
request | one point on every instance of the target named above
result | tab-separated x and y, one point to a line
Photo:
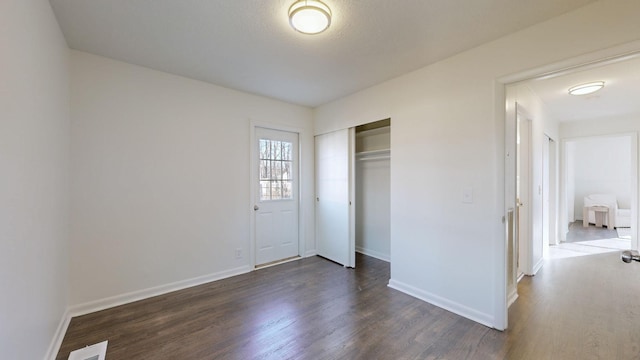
579	308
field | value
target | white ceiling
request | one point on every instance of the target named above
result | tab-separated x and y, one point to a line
620	96
248	44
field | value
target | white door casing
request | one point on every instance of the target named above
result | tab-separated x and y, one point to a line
553	193
546	203
276	163
510	206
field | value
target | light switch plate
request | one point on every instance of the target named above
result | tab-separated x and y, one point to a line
467	195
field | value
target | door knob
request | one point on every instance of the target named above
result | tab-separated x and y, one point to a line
629	255
256	207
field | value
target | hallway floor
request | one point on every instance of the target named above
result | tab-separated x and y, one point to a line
591	240
583	307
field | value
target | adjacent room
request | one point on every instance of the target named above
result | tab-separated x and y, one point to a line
214	179
598	189
594	158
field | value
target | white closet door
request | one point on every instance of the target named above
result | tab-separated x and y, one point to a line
333	197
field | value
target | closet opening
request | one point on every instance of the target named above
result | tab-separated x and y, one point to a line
372	189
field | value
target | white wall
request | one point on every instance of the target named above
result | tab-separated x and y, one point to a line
160	177
373	218
602	166
597	127
34	163
447	136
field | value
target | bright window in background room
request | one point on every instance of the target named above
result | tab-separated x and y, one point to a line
276	163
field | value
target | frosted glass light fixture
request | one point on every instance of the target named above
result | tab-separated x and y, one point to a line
587	88
309	16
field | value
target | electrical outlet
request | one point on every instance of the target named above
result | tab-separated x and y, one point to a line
238	253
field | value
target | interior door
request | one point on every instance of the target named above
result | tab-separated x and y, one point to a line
334	224
546	203
276	203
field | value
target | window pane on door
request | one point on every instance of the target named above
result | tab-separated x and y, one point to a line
276	170
286	170
276	150
265	190
287	151
265	149
265	169
287	189
276	164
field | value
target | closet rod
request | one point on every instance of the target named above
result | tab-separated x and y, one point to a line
387	157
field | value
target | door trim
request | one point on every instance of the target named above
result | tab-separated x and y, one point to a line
352	197
253	124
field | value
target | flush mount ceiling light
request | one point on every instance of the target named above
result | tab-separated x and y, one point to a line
587	88
309	16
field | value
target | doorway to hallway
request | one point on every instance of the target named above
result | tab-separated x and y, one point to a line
559	125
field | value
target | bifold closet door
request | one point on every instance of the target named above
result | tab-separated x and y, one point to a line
333	153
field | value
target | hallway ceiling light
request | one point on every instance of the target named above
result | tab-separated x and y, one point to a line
309	16
587	88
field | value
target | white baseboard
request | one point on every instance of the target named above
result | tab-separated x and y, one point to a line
310	253
97	305
101	304
537	266
512	298
456	308
376	254
58	336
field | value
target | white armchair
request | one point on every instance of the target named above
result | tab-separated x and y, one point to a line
618	217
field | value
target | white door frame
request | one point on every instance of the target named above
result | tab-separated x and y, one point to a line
547	193
253	173
553	192
594	59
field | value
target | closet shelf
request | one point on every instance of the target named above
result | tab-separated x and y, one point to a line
374	155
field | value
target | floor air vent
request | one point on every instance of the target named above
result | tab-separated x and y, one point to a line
94	352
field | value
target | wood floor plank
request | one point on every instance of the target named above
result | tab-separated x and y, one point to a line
580	308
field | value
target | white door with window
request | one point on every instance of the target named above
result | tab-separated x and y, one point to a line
276	203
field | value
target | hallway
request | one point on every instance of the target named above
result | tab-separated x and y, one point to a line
583	241
577	308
